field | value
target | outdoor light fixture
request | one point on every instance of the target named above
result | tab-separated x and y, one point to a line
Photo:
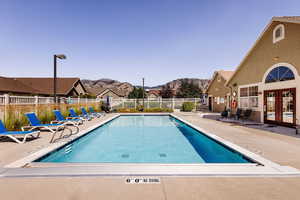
59	56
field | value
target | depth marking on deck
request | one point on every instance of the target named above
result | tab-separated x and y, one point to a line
139	180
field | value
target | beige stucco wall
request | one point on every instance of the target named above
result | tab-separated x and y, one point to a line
79	89
267	55
217	89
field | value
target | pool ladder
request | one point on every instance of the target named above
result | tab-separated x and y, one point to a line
68	149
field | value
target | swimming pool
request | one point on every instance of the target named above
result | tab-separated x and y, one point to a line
145	139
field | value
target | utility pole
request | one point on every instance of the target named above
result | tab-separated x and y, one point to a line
143	93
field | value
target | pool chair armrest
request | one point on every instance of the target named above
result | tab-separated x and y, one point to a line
56	122
72	117
29	128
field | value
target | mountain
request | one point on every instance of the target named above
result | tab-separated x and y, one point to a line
175	84
97	85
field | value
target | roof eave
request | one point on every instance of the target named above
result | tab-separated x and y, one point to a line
274	19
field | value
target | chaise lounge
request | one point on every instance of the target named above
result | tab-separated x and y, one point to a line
93	112
67	121
12	134
85	113
74	115
35	124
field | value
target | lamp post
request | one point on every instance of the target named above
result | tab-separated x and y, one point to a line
59	56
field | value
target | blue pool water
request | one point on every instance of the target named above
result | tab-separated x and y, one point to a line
145	139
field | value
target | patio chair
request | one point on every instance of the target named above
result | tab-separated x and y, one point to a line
85	113
238	113
35	124
74	115
246	115
67	121
93	112
297	127
12	134
224	113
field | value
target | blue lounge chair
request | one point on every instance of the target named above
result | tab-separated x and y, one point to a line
12	134
93	112
35	124
67	121
85	113
74	115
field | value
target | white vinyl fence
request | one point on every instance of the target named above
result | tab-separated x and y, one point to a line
36	100
173	103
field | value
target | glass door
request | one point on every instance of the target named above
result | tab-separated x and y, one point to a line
288	106
280	106
270	106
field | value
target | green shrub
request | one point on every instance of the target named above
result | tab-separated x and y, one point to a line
187	106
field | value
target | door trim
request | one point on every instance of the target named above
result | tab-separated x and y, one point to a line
278	107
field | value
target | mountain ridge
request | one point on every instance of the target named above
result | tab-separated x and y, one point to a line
127	87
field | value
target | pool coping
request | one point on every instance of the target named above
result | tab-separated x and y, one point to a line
25	168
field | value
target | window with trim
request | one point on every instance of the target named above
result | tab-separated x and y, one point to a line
278	33
280	73
249	97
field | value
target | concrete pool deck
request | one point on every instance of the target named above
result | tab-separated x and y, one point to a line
281	149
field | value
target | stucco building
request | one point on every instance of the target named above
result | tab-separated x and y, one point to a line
218	93
267	80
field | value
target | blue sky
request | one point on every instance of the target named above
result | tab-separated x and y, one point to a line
126	40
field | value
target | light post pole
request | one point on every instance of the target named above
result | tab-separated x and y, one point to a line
59	56
143	93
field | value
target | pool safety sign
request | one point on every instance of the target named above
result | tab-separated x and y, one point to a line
142	180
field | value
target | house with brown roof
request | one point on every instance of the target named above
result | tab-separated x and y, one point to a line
41	86
267	80
103	93
218	93
153	94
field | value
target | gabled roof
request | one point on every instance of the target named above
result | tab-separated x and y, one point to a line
101	91
226	74
284	19
43	86
15	86
155	92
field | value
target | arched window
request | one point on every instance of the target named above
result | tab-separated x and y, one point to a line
280	74
278	33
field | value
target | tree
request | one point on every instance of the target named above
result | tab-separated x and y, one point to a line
137	93
167	92
188	90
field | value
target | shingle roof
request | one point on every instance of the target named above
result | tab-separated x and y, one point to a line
226	74
289	19
98	91
42	86
13	85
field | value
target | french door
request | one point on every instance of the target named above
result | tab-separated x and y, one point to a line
280	106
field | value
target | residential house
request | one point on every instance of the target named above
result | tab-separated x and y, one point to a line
153	94
218	93
103	93
267	80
